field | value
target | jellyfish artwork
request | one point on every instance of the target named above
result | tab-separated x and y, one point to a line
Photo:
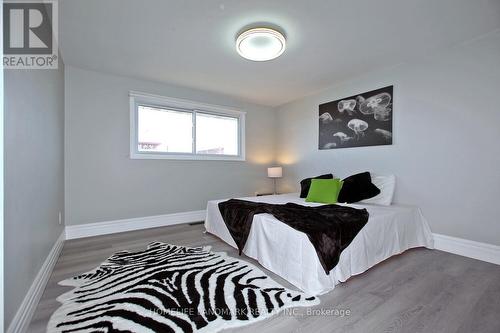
369	105
384	133
358	126
359	100
382	113
342	137
330	145
326	118
347	105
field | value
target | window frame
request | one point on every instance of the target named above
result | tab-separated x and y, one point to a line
175	104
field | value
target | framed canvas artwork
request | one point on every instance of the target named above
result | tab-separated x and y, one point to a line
356	121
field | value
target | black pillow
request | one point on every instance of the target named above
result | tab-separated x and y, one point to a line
306	183
358	187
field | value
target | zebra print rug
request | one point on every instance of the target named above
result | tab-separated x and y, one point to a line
169	288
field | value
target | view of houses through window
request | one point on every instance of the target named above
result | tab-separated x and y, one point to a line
164	130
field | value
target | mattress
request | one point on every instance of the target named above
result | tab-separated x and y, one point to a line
289	253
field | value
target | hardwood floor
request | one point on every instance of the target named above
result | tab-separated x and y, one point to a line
419	291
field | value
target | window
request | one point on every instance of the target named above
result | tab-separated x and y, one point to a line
170	128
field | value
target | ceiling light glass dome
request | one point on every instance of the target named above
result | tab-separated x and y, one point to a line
260	44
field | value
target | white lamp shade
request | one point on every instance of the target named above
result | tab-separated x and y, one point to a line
275	172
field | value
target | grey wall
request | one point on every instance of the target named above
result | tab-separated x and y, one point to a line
1	187
446	152
34	175
103	183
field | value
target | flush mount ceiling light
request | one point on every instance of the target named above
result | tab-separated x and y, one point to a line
260	44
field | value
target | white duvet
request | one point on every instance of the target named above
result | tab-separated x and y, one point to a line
289	253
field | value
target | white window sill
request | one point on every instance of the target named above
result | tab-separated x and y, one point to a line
147	156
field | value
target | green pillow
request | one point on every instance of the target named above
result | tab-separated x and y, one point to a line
324	190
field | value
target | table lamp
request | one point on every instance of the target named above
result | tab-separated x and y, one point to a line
275	172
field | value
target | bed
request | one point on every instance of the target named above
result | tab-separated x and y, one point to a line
289	253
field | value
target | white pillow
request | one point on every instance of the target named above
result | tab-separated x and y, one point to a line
386	184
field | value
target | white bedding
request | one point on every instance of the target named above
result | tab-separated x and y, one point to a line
289	253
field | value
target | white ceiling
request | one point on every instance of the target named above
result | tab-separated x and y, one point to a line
191	42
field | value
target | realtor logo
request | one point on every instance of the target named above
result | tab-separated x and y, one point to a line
29	34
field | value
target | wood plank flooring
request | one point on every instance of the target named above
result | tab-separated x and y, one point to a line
420	290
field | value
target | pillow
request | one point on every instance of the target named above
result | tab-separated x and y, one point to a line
324	190
386	184
358	187
306	183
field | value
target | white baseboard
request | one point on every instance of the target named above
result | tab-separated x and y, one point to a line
467	248
23	316
111	227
